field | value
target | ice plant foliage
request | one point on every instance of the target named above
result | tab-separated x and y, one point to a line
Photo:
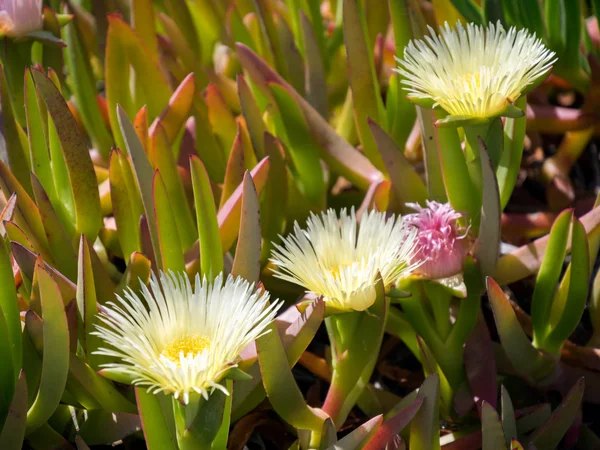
339	258
178	340
474	72
19	17
442	244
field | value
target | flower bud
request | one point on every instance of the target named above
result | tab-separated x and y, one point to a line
20	17
442	243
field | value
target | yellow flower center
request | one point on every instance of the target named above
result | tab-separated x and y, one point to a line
187	344
472	79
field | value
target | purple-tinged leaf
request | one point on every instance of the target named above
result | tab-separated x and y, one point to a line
550	434
424	428
356	439
479	368
390	429
13	431
493	434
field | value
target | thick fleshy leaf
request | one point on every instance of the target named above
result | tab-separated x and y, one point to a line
221	117
27	214
526	260
61	248
229	215
124	48
575	300
84	89
26	259
157	430
220	440
10	309
256	126
144	176
275	200
432	148
10	144
211	251
160	154
388	431
424	428
166	226
338	153
521	353
406	183
82	179
281	388
481	370
510	160
136	274
548	276
488	240
55	362
493	434
356	439
316	86
126	203
296	338
13	431
302	148
87	306
366	97
7	370
201	428
236	167
144	24
93	391
509	423
550	434
174	116
37	129
247	253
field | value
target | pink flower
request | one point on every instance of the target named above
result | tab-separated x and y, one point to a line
20	17
442	243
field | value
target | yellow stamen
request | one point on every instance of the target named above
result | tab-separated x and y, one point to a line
187	344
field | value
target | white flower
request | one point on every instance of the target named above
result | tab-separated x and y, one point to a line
477	72
19	17
339	258
178	340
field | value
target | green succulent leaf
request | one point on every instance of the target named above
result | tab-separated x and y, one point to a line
55	361
247	253
13	430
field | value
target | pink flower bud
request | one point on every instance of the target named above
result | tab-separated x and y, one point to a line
20	17
441	242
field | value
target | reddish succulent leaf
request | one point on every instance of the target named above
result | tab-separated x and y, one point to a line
393	426
479	368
